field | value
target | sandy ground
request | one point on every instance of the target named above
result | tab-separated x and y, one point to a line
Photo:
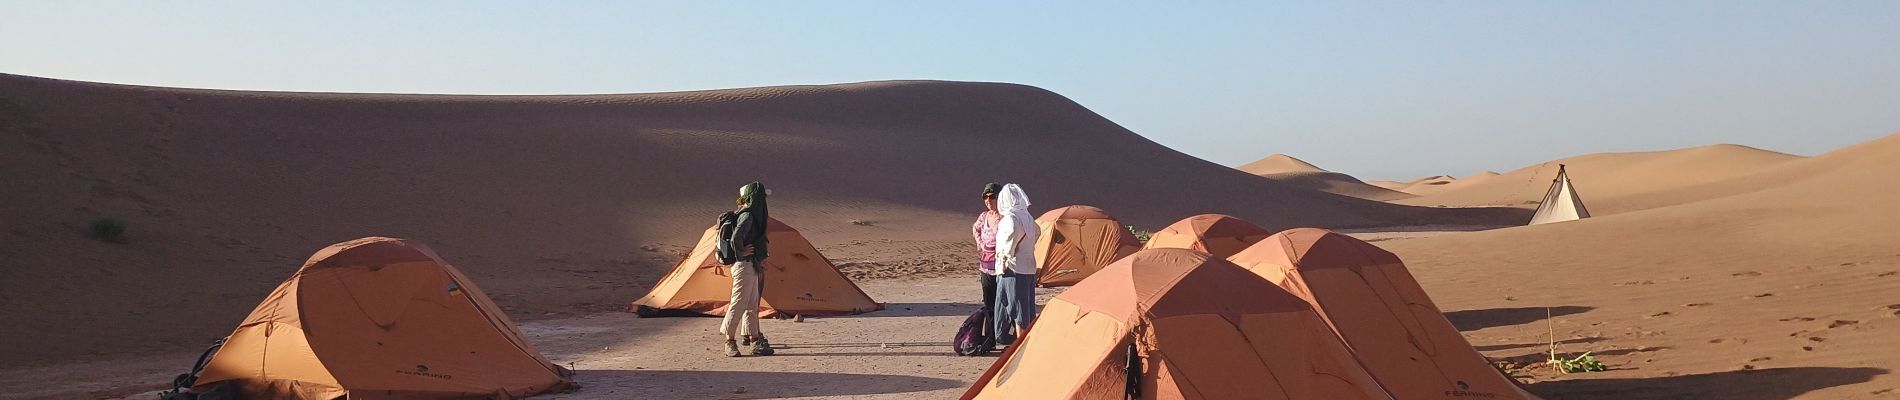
1753	334
901	352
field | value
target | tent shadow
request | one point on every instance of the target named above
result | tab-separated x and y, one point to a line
1762	384
923	310
1471	320
1498	347
652	384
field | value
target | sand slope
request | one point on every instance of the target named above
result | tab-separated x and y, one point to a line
1609	182
557	205
1295	172
1782	286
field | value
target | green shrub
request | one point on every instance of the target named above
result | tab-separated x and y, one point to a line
1140	234
110	229
1583	363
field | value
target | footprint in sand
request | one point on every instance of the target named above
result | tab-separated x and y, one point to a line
1895	308
1748	274
1760	359
1842	322
1634	283
1887	274
1796	319
1760	296
1698	304
1658	315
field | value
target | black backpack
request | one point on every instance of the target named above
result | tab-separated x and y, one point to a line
972	339
726	253
181	385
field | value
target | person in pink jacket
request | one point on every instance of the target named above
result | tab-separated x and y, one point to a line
984	232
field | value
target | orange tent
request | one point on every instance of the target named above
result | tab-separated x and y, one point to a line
380	318
1380	311
1220	235
1078	240
798	281
1202	327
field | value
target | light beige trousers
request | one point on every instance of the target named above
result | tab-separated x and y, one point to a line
742	314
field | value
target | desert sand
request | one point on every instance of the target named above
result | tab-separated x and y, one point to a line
1719	272
1297	173
1611	182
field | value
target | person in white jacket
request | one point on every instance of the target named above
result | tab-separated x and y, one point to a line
1015	264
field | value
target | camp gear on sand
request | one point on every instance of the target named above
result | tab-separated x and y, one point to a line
181	385
727	254
1369	299
798	281
1076	241
380	318
973	338
1216	234
1204	329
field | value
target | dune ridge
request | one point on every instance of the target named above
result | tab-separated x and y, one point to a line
1299	173
558	205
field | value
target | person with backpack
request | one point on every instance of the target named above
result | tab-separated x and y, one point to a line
746	244
1016	235
984	232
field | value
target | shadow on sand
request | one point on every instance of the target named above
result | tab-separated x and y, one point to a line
923	310
644	384
1761	384
1497	347
1471	320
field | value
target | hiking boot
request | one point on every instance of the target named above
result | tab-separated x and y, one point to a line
761	348
732	348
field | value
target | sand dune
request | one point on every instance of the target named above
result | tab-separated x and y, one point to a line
1295	172
558	205
1609	182
1785	274
1278	164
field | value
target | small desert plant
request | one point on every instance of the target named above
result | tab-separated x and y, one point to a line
1583	363
1140	235
110	229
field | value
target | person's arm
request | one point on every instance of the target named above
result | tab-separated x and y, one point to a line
1006	235
976	230
742	234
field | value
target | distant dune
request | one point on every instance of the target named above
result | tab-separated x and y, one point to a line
1791	267
1295	172
557	205
1609	182
1278	164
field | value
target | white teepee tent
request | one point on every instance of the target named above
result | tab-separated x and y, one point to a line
1560	203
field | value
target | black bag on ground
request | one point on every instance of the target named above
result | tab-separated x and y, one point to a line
972	340
181	385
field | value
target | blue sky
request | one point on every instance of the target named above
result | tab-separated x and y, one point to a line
1383	90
